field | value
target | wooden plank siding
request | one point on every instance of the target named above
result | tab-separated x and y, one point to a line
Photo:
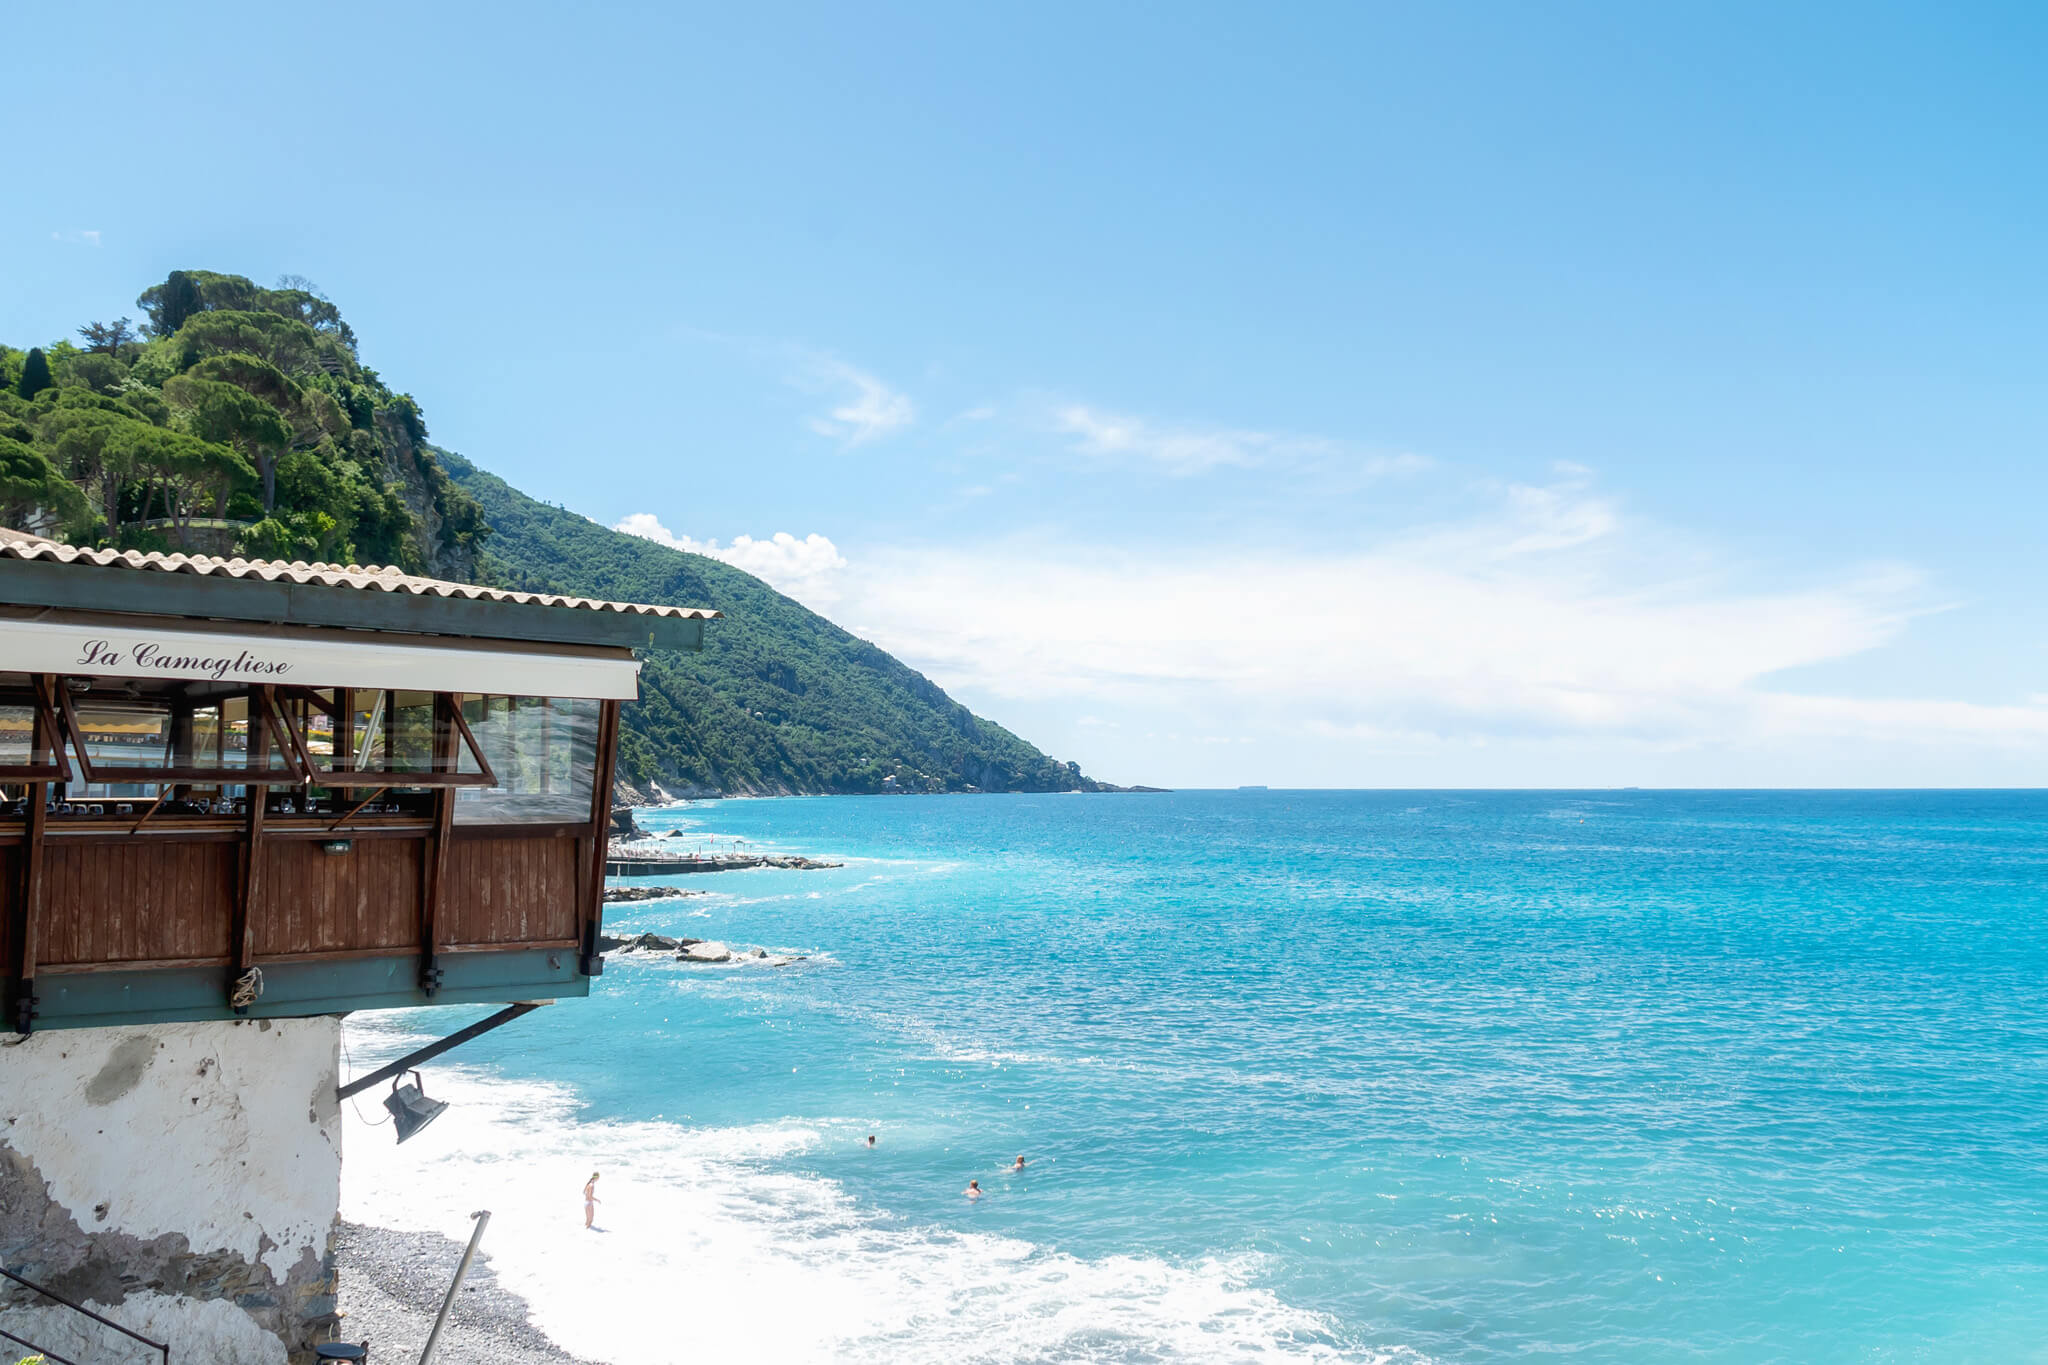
135	904
510	890
147	902
364	900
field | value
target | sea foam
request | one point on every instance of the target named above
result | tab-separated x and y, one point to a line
707	1251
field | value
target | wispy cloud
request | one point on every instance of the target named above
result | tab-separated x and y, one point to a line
1544	614
802	568
78	236
871	409
1185	450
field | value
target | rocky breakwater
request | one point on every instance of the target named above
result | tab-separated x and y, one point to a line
626	895
633	862
700	950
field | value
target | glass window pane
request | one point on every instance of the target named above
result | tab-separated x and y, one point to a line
121	734
317	727
409	732
17	736
543	751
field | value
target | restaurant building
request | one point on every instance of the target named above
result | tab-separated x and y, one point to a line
238	800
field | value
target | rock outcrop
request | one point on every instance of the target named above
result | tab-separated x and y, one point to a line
625	895
709	951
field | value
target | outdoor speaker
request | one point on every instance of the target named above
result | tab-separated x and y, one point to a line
410	1108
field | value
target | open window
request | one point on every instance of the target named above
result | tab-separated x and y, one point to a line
137	734
190	747
354	738
31	748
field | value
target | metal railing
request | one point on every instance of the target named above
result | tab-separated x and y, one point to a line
163	1351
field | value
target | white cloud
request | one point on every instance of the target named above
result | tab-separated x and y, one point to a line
1197	450
84	236
872	408
802	568
1544	616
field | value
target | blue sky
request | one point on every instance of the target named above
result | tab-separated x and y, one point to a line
1349	395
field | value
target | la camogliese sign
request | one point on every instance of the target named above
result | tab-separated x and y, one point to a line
151	657
308	659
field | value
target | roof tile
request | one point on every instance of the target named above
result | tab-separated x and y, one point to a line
381	578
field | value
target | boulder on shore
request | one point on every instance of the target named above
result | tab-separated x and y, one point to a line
642	943
694	949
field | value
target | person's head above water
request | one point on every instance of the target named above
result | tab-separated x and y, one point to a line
974	1184
871	1139
1020	1161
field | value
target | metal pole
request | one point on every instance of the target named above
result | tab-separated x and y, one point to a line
483	1220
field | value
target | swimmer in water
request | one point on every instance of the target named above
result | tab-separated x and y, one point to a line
871	1139
590	1199
1019	1166
974	1189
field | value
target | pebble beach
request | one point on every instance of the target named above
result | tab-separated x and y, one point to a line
391	1287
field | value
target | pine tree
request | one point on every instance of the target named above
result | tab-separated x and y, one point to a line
180	301
35	373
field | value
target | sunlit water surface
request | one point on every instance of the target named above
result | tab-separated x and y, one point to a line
1450	1076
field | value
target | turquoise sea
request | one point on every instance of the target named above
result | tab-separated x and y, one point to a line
1462	1077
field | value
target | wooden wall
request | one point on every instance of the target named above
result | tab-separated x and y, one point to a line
510	890
135	902
116	896
170	901
311	901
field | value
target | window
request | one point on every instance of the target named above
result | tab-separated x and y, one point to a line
162	749
28	735
356	737
127	735
543	751
29	746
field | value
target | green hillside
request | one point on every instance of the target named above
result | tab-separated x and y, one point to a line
781	700
241	420
237	420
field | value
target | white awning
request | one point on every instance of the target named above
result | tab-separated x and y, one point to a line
308	659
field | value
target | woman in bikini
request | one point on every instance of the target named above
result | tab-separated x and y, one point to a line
590	1199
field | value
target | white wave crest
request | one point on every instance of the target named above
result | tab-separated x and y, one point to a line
708	1253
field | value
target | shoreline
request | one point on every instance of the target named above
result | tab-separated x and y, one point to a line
390	1285
626	797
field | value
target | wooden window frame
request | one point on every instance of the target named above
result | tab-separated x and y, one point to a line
45	736
262	706
56	711
353	778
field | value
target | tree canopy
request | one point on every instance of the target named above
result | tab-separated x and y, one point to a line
35	373
240	420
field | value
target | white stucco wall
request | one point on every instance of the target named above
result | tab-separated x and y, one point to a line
205	1158
212	1331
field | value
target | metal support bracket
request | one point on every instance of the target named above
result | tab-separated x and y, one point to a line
433	1050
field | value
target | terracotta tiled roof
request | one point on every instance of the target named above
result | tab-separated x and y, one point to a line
22	545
